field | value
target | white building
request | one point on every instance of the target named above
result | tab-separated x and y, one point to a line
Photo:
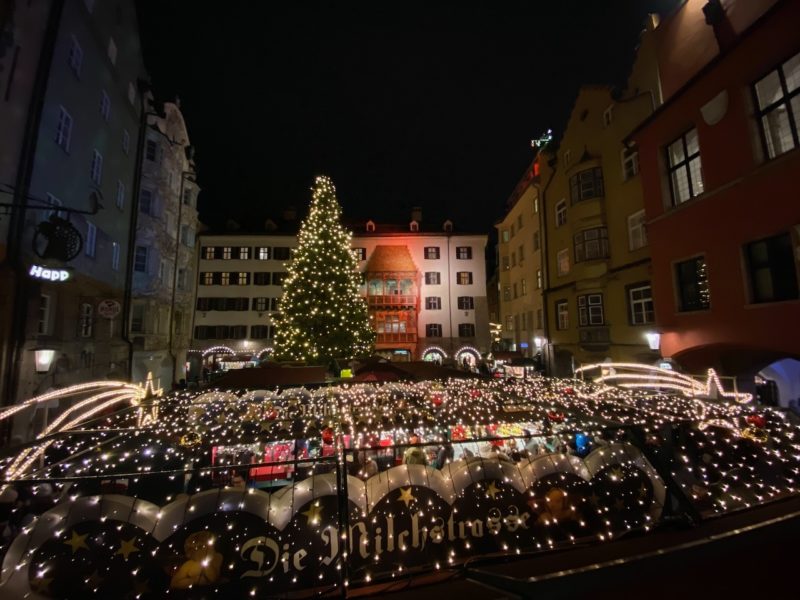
426	292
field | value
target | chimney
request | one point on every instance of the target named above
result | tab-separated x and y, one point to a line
416	214
290	213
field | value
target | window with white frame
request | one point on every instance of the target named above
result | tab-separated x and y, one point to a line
187	236
433	303
433	278
140	259
506	293
586	184
75	59
466	330
225	278
207	278
244	253
52	212
561	213
509	322
630	162
262	253
466	303
637	234
464	252
562	315
64	129
227	252
86	319
433	330
209	252
464	278
137	318
43	323
539	279
432	252
505	236
562	261
523	287
146	204
126	141
115	256
778	107
590	310
89	247
97	167
120	195
640	304
685	170
105	105
360	253
591	244
183	279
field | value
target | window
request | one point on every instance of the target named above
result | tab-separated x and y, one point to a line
535	241
433	330
262	278
463	252
64	129
466	303
561	213
523	287
431	252
466	330
506	263
513	259
164	272
112	51
120	195
151	150
692	284
685	172
126	141
562	315
187	197
507	293
244	253
115	256
771	268
97	167
225	278
778	101
105	105
243	278
146	204
433	278
183	279
521	252
510	323
361	253
464	278
516	294
227	253
187	236
262	253
259	332
519	222
43	325
281	253
637	234
536	205
539	279
209	252
608	116
539	318
513	230
89	247
591	244
178	322
586	184
590	310
55	202
433	303
140	260
207	278
137	318
238	332
75	59
261	304
562	261
277	278
630	163
86	319
505	236
640	305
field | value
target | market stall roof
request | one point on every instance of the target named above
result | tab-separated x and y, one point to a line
271	375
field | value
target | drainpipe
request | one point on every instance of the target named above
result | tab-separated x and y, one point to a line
548	349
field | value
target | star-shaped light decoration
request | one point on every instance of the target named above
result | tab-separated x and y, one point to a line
77	541
492	490
405	496
127	548
147	395
313	514
615	474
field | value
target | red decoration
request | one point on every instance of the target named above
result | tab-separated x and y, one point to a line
327	435
271	415
474	393
458	433
436	400
569	391
556	417
756	420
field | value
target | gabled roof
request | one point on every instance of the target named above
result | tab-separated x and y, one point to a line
390	258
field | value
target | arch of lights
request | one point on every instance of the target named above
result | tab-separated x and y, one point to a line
263	351
471	350
404	517
437	350
218	350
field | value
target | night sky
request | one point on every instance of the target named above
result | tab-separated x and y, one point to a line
402	104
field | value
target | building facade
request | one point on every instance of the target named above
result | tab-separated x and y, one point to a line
520	274
164	261
426	293
719	163
598	289
79	155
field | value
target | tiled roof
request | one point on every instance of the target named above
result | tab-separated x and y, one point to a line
390	258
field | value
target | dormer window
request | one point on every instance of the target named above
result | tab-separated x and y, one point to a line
448	226
414	226
370	225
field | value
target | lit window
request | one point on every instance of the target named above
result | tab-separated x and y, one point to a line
243	278
505	236
590	310
464	252
226	253
225	278
244	253
464	278
772	269
640	304
207	278
562	315
561	213
360	253
433	278
431	252
685	170
507	293
562	261
591	244
86	320
778	99
692	285
538	278
262	253
637	235
209	252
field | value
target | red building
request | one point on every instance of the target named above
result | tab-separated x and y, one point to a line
719	166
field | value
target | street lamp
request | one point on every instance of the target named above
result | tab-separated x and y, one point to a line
538	341
653	340
44	359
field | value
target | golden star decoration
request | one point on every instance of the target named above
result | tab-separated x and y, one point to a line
615	474
405	496
492	490
77	541
127	548
313	514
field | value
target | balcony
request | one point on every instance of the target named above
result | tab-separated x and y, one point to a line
392	300
408	337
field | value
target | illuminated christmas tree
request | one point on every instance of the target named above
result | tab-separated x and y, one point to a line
322	315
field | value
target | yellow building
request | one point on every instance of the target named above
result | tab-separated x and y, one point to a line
597	265
520	276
